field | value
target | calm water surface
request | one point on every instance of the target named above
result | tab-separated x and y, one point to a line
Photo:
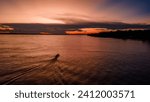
26	59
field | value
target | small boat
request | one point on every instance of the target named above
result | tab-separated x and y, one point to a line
56	57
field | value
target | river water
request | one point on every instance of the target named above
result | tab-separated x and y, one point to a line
27	59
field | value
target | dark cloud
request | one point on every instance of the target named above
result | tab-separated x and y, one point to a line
72	20
61	29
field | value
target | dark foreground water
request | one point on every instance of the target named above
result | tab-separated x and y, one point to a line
84	60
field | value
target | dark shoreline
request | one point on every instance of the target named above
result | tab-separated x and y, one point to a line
143	35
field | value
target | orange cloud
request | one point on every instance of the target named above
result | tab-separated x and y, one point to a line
5	28
89	31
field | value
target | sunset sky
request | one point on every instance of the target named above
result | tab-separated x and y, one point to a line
74	11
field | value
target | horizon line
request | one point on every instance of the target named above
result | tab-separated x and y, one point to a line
83	23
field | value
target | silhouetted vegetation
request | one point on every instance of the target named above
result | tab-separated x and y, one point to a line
130	34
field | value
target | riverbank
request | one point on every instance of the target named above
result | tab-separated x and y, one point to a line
136	35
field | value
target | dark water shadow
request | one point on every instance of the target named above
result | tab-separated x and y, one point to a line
17	74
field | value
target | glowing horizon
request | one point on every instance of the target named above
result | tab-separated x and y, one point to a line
74	12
